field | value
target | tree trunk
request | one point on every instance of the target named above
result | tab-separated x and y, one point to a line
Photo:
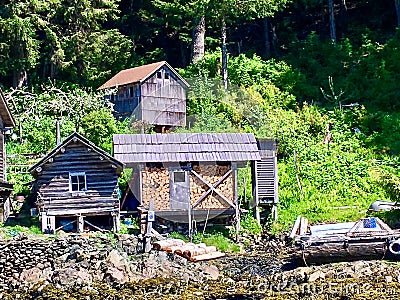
332	25
224	54
199	32
397	3
267	41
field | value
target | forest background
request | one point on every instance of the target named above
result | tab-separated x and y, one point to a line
290	70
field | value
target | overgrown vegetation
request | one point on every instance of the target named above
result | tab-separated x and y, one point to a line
311	84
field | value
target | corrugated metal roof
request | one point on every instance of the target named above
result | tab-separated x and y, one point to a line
181	147
138	74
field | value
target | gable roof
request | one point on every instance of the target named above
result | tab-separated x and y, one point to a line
5	112
138	75
185	147
74	137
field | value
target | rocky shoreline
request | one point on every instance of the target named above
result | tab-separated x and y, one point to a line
101	266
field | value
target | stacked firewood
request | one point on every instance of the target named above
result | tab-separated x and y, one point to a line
190	251
211	174
156	187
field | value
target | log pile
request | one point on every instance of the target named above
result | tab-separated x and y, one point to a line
190	251
211	173
156	187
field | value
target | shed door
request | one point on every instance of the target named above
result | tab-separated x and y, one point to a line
179	189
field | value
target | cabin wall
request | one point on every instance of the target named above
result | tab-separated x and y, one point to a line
2	153
126	102
156	187
163	99
101	178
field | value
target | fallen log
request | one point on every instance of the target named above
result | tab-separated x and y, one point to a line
167	244
207	256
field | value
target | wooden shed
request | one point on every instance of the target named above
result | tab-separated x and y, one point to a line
265	177
6	124
187	176
153	93
76	183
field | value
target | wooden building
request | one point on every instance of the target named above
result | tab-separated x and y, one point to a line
154	94
76	183
189	176
265	177
6	124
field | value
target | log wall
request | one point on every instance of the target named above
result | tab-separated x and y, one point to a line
2	153
156	186
101	179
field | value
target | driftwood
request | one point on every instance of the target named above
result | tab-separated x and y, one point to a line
190	251
207	256
166	245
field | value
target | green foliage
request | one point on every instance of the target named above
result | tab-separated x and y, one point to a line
99	126
249	225
176	235
218	240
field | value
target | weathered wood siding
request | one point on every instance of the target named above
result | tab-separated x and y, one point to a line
163	100
53	183
126	101
156	187
2	153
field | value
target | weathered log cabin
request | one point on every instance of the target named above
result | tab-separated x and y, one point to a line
76	183
185	177
153	93
265	178
6	124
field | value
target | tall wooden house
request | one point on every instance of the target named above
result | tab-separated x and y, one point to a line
153	93
6	124
76	185
186	177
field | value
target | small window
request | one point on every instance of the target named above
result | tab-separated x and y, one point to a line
131	91
166	75
159	75
179	176
77	182
112	97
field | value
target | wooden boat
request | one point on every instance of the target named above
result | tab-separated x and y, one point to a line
368	238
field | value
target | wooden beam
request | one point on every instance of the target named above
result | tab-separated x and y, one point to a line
236	199
212	188
295	227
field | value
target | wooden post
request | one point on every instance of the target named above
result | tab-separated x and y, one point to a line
150	220
190	220
80	224
116	221
48	223
236	199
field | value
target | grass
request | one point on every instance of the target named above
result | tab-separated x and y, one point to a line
216	238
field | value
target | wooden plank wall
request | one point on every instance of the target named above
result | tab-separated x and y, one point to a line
2	153
156	184
164	100
101	178
125	105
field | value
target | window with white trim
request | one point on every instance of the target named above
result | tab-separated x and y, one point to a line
77	181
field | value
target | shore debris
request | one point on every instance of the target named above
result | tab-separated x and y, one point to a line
190	251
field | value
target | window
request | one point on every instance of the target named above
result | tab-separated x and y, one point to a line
159	75
131	91
179	176
166	75
77	182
